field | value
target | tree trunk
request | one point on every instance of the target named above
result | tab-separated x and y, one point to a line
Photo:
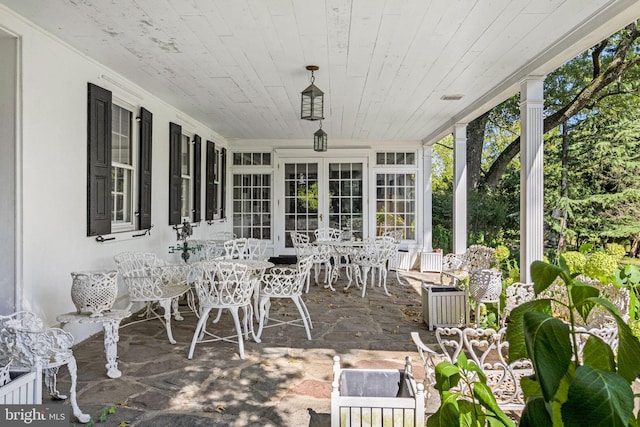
475	144
635	246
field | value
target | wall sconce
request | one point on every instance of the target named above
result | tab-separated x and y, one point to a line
320	140
312	105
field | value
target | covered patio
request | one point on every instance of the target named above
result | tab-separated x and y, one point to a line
195	106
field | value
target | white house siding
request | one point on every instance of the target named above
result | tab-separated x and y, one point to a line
52	199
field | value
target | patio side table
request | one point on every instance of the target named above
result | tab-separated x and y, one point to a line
110	323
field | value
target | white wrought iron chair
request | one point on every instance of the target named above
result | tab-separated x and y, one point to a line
212	251
321	256
25	341
430	359
327	233
151	282
488	349
458	266
396	235
285	282
515	294
373	257
256	249
223	235
223	285
485	286
236	248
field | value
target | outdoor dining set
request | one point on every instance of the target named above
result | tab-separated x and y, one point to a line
226	273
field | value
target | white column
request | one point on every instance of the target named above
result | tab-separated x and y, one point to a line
531	174
460	188
427	199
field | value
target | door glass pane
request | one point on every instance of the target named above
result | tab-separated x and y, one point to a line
345	201
301	199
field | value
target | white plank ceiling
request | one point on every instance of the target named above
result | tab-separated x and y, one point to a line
238	66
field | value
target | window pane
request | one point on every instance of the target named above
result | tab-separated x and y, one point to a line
251	203
186	163
395	203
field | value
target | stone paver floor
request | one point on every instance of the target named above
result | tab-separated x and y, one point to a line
283	381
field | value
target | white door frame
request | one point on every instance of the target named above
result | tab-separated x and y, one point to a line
295	156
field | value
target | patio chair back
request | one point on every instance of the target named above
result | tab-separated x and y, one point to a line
236	248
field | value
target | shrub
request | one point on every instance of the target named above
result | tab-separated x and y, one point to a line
616	250
601	266
575	260
502	253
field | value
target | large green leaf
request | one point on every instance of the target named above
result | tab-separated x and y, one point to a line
530	387
515	333
603	398
471	415
580	294
447	376
628	344
598	354
548	345
483	394
448	413
535	414
543	275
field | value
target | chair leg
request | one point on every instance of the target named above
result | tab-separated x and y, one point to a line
51	382
236	321
264	314
73	373
302	311
383	272
365	273
199	327
306	312
166	306
176	309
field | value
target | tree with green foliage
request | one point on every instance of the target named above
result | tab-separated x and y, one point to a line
591	128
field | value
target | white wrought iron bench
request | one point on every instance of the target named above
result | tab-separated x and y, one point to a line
25	341
488	348
456	267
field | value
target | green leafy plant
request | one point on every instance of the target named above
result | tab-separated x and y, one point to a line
468	404
601	266
629	277
568	390
616	250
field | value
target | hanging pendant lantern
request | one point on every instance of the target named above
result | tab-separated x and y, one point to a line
312	107
320	140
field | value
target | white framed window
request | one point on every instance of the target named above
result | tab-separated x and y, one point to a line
123	168
396	207
186	174
252	195
252	205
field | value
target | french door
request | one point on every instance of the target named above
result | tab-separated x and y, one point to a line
320	193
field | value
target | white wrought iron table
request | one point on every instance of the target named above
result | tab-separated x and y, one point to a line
341	249
110	323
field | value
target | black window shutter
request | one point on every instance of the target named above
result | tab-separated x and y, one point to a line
98	161
197	178
210	189
223	181
144	189
175	185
